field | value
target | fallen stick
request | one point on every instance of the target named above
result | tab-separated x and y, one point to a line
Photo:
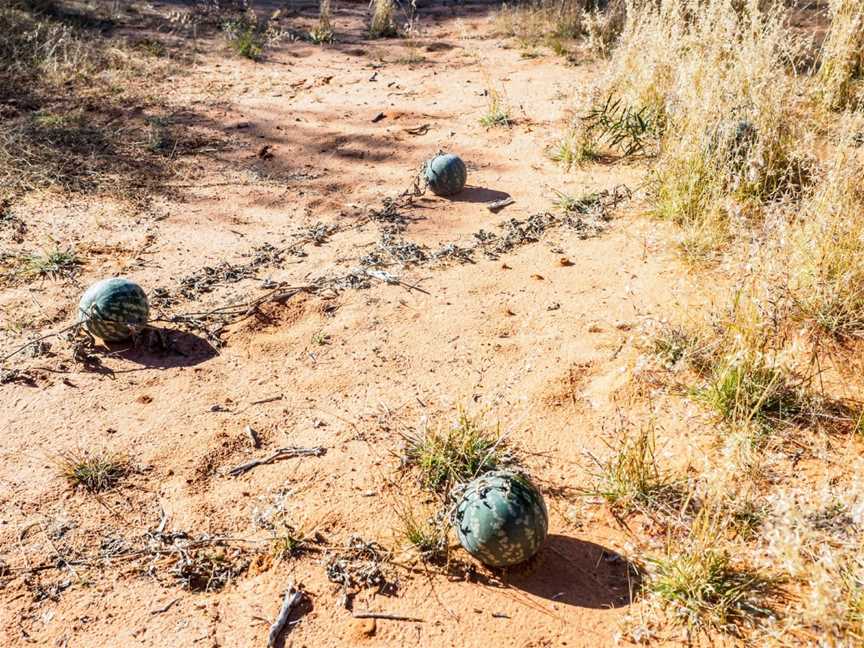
267	400
292	597
384	615
165	607
281	453
498	205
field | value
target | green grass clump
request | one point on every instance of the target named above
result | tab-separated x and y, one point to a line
428	536
93	470
631	479
245	40
56	264
703	588
628	129
446	456
748	390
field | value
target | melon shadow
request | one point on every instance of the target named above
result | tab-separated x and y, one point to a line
580	573
166	348
472	194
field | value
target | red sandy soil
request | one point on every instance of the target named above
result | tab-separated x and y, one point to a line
546	349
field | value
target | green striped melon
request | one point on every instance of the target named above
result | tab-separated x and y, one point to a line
501	518
445	174
112	309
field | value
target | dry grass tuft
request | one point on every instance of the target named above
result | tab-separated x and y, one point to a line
65	88
541	21
699	584
426	533
93	470
631	479
383	24
826	250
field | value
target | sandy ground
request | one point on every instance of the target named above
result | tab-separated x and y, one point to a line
543	348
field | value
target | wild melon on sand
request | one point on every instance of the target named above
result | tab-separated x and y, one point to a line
112	309
501	518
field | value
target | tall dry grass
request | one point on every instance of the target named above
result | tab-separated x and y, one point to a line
719	77
769	187
825	251
842	60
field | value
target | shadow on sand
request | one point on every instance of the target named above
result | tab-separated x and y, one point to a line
579	573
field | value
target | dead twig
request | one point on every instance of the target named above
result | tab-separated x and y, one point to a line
292	598
384	615
281	453
165	607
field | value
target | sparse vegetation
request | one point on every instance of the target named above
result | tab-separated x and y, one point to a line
55	264
752	390
631	479
446	455
677	346
747	524
576	148
425	533
497	111
246	37
532	23
93	470
703	589
323	31
320	339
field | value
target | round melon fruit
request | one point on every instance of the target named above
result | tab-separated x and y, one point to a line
111	309
445	174
501	518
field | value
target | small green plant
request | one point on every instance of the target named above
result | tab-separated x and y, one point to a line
383	24
287	543
247	36
93	470
427	535
631	479
320	339
449	455
56	264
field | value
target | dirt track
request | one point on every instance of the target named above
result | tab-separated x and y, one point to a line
544	348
